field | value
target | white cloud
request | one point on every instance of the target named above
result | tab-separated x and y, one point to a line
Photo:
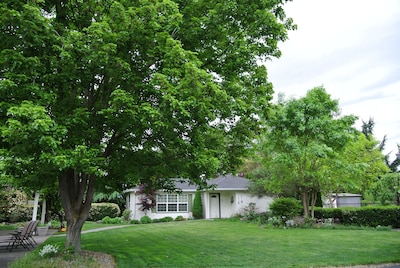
352	49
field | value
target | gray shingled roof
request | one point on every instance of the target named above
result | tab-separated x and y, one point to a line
230	182
227	182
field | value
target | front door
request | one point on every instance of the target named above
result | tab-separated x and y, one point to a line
215	208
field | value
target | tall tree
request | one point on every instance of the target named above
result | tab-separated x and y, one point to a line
301	137
357	166
107	93
386	188
368	130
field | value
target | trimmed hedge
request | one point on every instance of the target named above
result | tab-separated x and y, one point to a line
101	210
364	216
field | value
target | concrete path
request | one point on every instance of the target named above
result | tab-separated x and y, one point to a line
7	256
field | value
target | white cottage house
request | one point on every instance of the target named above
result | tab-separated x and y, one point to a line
229	197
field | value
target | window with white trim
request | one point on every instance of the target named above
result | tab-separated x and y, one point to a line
172	203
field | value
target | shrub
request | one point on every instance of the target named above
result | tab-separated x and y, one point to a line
250	212
20	214
286	207
126	215
49	250
166	219
109	220
197	206
365	216
145	220
13	206
274	221
101	210
262	218
134	222
180	218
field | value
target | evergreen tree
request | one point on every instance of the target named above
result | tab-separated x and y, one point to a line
198	206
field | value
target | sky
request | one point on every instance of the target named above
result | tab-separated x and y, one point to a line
352	49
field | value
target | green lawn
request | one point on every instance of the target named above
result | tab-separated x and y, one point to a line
240	244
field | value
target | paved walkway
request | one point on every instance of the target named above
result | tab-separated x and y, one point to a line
6	256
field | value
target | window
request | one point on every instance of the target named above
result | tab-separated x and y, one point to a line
172	203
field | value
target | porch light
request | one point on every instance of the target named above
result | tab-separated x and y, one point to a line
232	199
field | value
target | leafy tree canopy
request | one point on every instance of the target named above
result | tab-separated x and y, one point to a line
308	149
301	138
108	93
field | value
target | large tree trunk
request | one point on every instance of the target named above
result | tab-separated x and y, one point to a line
314	195
76	191
305	201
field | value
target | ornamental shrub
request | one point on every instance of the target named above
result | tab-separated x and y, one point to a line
49	250
286	207
109	220
126	215
20	214
101	210
145	220
197	206
166	219
250	212
180	218
13	206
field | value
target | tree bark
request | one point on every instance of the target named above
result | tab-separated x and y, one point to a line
314	195
304	199
74	230
76	191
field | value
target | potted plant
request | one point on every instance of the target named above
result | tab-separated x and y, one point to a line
42	229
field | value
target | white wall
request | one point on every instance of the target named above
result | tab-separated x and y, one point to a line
133	201
231	202
240	200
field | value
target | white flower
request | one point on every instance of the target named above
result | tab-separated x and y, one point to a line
48	250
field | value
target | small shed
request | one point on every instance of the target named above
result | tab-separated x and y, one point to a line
347	200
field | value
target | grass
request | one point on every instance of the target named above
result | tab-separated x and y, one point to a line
237	244
10	226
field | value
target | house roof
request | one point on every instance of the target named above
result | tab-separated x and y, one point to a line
230	182
222	183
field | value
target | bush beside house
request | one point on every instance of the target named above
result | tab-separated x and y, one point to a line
102	210
197	206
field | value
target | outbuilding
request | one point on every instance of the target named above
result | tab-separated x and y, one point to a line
344	200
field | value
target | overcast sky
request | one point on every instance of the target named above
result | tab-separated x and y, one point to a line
352	48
